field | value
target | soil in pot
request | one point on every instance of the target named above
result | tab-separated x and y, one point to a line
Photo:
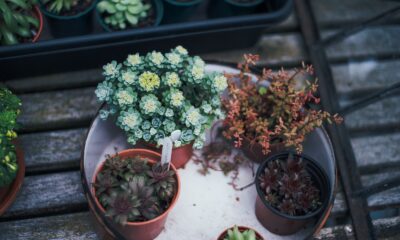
180	155
73	22
224	234
153	18
292	191
136	192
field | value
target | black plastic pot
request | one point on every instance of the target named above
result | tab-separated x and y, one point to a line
65	26
228	8
281	223
157	5
178	11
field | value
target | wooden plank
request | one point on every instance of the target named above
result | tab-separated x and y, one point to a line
329	13
386	228
75	226
355	79
58	109
48	194
58	81
52	151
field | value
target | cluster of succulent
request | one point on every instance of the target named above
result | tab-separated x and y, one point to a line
57	6
133	190
121	14
156	94
9	110
288	186
272	107
17	21
235	234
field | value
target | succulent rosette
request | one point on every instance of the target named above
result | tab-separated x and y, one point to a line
156	94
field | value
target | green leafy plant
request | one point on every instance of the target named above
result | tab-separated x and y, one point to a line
132	190
57	6
272	107
156	94
288	186
121	14
9	110
235	234
17	21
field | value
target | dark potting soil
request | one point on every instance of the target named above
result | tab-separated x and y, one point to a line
79	7
145	22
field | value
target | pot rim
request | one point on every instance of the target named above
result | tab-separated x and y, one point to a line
157	5
174	199
155	146
249	4
184	4
312	161
39	16
241	229
16	184
53	15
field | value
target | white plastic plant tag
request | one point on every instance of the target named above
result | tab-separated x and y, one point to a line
168	143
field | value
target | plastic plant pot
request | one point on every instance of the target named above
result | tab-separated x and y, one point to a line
146	230
9	193
284	224
229	8
180	155
75	25
39	16
157	5
254	151
241	229
178	11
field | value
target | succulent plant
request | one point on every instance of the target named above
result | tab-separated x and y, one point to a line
57	6
134	190
235	234
121	14
288	186
9	110
17	21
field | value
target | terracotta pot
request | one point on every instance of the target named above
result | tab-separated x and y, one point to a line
146	230
283	224
180	155
9	193
254	151
39	16
241	229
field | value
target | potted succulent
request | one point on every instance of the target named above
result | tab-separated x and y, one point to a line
21	22
12	167
179	10
228	8
115	15
136	192
272	111
240	233
69	17
156	94
292	190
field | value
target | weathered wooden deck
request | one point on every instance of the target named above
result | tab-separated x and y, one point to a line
57	111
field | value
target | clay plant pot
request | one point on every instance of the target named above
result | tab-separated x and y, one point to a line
254	151
39	16
157	6
74	25
146	230
241	229
9	193
180	155
229	8
178	10
281	223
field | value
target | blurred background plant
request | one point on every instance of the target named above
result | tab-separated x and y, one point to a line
17	21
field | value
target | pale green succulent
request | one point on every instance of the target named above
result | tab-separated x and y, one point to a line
121	14
17	21
235	234
57	5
